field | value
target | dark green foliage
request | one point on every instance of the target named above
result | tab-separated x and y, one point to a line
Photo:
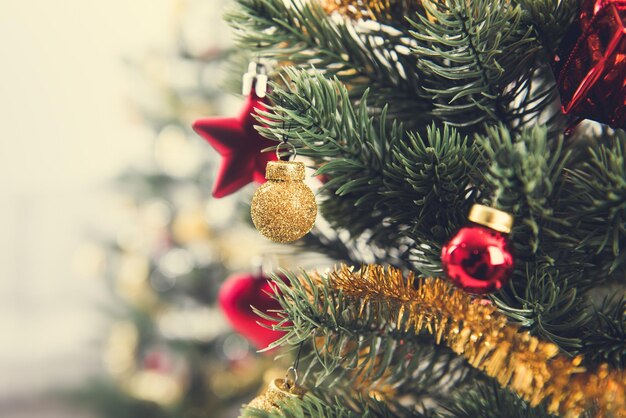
549	19
302	34
598	201
407	193
476	75
605	338
523	178
307	407
331	246
544	301
411	65
491	401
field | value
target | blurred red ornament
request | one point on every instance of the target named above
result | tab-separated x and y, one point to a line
240	145
237	296
591	64
158	361
478	258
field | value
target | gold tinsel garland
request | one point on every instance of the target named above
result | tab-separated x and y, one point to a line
473	328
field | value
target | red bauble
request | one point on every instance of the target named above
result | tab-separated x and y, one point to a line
237	296
158	361
478	259
240	145
591	64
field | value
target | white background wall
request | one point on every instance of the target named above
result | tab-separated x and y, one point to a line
65	130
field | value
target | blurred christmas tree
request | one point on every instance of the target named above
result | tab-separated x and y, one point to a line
170	352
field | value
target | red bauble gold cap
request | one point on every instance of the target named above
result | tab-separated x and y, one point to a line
478	259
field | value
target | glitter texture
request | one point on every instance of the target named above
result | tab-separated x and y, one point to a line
276	393
284	209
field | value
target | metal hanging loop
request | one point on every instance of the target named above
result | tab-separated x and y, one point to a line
291	378
290	150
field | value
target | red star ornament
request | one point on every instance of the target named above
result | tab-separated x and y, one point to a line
591	64
240	145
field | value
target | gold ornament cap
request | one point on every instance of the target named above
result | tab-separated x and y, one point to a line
491	218
278	391
284	171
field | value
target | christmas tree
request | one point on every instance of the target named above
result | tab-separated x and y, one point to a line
414	115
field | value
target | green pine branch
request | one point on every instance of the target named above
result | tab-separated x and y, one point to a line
597	201
545	301
604	340
393	186
329	245
550	19
402	190
479	62
312	406
491	401
353	351
524	175
350	251
354	347
302	34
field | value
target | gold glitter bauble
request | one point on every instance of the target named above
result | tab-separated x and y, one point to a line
284	208
277	392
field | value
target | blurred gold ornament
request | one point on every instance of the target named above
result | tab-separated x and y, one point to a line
164	387
378	10
284	208
534	369
119	353
132	280
228	247
278	391
154	386
190	225
229	380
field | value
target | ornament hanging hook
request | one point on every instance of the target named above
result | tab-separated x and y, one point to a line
291	377
293	370
290	151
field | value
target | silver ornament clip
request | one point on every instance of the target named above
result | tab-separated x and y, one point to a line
256	78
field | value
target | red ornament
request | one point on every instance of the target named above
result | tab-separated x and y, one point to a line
158	361
478	258
240	145
237	296
591	64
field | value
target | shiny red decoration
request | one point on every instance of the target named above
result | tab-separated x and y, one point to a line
237	296
591	64
240	145
478	259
